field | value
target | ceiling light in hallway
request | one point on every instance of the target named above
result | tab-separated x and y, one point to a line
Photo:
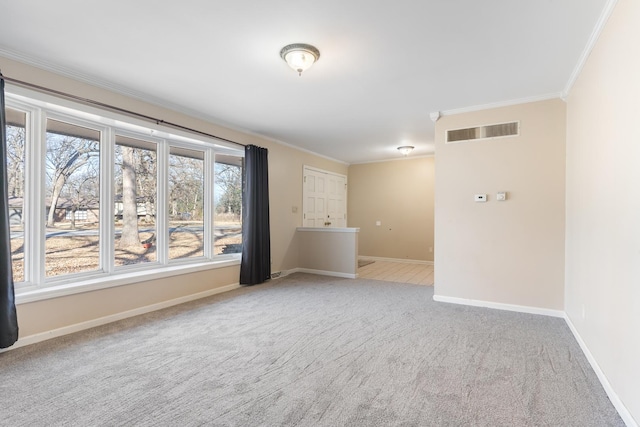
406	149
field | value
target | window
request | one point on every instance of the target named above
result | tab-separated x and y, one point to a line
72	184
186	203
115	197
228	204
135	178
76	215
16	137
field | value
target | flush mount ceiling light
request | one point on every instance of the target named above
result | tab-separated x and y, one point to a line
300	56
406	149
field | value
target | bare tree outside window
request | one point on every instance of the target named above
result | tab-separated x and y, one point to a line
135	201
186	203
228	204
56	178
16	137
72	184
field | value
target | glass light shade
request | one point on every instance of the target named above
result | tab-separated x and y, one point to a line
300	56
405	149
299	60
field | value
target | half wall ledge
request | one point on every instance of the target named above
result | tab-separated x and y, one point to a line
329	249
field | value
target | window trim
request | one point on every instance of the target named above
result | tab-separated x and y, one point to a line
33	293
39	107
103	174
28	174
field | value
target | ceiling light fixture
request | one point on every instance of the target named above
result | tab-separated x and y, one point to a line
406	149
300	56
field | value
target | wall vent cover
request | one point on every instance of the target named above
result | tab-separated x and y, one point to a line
500	130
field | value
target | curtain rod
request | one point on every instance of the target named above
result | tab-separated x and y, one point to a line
114	108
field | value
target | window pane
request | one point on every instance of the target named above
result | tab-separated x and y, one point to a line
228	204
72	199
186	206
16	135
135	201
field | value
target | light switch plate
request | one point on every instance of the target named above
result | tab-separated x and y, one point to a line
502	196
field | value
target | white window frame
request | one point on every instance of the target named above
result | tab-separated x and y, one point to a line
160	238
105	224
39	107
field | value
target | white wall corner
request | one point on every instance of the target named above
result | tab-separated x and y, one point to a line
613	397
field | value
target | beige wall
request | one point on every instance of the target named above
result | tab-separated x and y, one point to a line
329	250
51	314
509	252
399	194
285	193
285	183
603	204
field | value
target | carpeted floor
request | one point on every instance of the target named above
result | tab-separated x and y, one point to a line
310	351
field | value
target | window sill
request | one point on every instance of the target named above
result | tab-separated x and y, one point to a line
33	294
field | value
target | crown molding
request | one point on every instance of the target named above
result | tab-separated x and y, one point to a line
593	39
122	90
295	147
537	98
93	81
404	158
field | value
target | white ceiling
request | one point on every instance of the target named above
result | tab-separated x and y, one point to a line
384	66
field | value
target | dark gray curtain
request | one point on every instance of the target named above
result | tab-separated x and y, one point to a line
8	318
256	239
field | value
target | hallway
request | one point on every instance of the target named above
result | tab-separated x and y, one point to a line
403	272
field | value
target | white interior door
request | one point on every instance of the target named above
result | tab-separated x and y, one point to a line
315	199
324	202
336	201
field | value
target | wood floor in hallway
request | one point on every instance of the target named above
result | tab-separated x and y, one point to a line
403	272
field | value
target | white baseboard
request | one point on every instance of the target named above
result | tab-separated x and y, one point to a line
43	336
500	306
402	260
613	397
323	273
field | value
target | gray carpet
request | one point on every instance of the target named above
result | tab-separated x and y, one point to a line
310	351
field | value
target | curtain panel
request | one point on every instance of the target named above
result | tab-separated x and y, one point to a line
8	316
255	266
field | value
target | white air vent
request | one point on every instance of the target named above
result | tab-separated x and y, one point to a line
483	132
